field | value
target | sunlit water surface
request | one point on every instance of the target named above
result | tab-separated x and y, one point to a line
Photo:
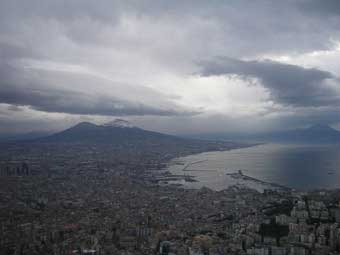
296	166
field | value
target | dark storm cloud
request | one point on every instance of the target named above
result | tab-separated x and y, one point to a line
45	91
75	102
287	84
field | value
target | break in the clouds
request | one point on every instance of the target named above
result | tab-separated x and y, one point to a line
175	66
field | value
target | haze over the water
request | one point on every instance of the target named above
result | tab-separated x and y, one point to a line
171	66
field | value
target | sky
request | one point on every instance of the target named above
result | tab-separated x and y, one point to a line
179	67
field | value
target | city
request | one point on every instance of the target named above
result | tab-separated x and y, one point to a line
75	201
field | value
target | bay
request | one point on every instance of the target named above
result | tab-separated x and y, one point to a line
296	166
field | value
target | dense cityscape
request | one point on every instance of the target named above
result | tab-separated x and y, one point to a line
78	199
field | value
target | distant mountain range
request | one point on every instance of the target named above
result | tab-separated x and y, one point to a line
316	134
122	132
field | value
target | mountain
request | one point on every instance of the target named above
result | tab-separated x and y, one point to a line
115	132
316	134
122	135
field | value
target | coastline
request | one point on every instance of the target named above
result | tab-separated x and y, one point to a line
240	176
165	177
298	167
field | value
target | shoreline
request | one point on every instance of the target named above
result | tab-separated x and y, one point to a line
257	172
240	175
168	176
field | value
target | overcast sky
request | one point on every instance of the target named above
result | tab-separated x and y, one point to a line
172	66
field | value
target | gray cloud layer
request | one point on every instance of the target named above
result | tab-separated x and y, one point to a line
243	27
57	92
73	102
134	41
287	84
